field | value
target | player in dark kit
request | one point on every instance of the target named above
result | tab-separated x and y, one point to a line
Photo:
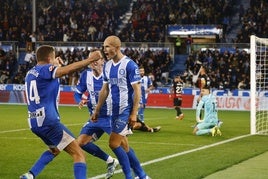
203	81
177	87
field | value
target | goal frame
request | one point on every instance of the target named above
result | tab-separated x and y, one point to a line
252	84
255	100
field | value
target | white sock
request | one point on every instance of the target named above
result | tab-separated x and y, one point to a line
109	159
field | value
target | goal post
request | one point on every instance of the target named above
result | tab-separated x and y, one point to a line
258	85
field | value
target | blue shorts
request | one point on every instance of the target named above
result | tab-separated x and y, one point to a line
54	136
96	129
120	124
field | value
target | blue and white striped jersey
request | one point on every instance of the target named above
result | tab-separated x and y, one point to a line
119	77
146	82
89	82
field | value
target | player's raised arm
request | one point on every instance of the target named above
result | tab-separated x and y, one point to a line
61	71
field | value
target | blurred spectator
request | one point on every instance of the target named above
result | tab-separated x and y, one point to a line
33	40
70	21
241	85
188	42
91	33
253	21
29	59
4	77
225	72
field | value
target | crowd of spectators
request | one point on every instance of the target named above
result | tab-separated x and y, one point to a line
253	20
61	20
149	18
226	70
91	21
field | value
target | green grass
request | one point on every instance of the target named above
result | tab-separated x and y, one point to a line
20	148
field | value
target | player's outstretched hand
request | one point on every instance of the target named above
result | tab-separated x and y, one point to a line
82	103
58	62
94	56
132	120
94	117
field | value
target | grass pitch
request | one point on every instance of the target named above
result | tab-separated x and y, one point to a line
172	153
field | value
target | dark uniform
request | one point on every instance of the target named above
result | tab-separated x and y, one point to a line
177	96
203	82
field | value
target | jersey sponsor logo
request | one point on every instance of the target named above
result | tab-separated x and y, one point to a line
18	87
113	81
137	76
94	93
3	87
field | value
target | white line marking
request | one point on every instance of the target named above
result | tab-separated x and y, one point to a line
15	130
27	129
179	154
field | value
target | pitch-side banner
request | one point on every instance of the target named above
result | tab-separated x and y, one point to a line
230	103
161	97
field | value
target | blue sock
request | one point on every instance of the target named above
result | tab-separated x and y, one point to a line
141	114
95	151
135	164
40	164
124	161
80	170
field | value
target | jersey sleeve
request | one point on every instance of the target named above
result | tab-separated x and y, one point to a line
150	83
134	73
198	110
48	71
105	78
81	87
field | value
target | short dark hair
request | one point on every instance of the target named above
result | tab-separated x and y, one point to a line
43	52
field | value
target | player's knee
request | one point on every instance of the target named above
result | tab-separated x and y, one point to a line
54	151
79	156
84	139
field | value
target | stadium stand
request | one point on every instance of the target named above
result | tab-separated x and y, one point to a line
134	21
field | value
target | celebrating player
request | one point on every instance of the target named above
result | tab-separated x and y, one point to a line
146	87
91	81
42	92
203	81
121	81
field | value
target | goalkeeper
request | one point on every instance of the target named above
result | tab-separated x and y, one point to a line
204	82
209	123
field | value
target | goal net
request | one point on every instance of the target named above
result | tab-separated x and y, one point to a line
259	85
